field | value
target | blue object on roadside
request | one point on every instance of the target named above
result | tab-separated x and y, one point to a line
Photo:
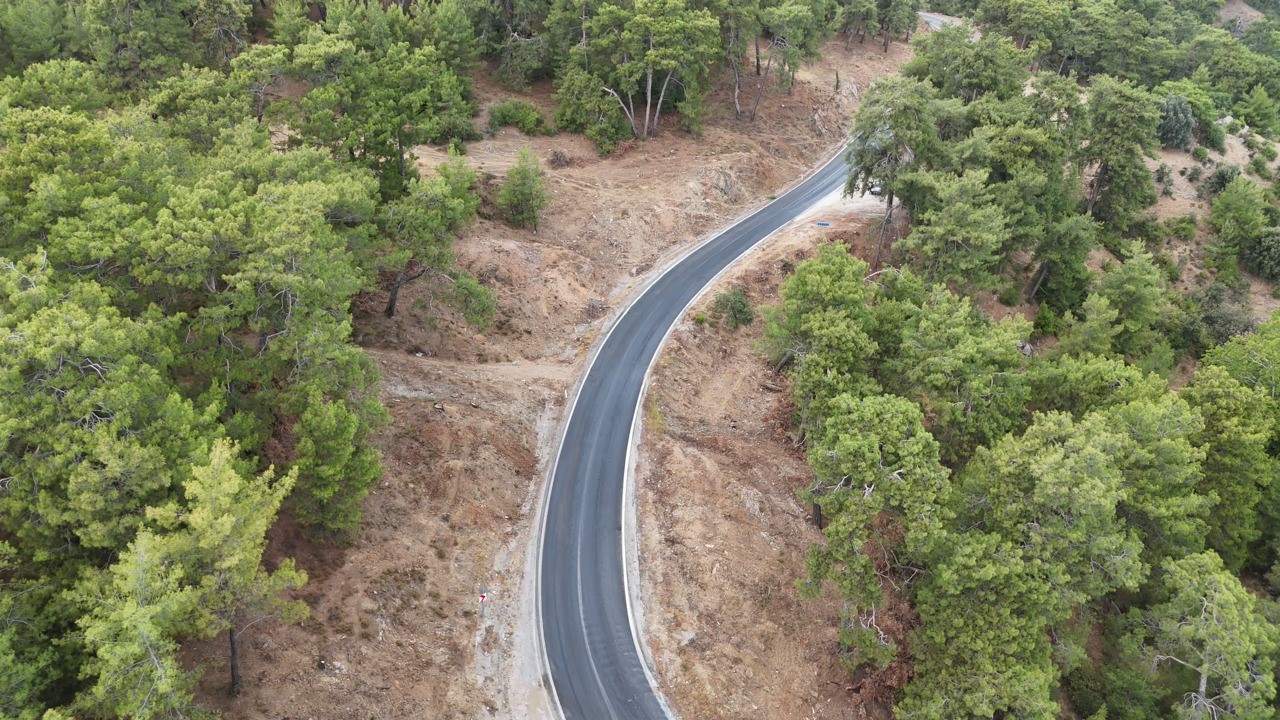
823	223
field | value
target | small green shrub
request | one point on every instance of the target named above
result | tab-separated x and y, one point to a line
1262	256
524	193
1201	154
525	116
1194	173
1226	260
1219	179
1146	229
1221	312
1164	179
1047	321
474	300
1268	151
1167	265
1258	166
734	308
1181	228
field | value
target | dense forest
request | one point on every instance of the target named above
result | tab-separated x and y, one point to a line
1076	516
192	196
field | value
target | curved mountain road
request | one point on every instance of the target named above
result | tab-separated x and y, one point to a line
596	668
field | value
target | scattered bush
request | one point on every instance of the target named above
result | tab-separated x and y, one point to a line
1047	322
733	307
1221	312
1258	166
474	300
1194	173
559	159
523	194
1181	228
1201	154
1219	179
1171	269
1262	256
525	116
1226	260
1164	179
1147	230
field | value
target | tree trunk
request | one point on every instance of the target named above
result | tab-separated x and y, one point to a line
886	38
235	660
391	301
764	79
630	113
757	43
1044	275
661	95
402	278
737	83
786	359
884	226
1095	188
648	93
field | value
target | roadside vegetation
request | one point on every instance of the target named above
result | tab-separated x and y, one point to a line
1077	512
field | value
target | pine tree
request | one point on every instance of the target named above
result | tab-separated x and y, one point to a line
524	192
217	536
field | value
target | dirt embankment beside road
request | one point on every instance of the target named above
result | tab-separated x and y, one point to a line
397	629
723	535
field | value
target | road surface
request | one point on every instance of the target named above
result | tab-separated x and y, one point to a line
595	667
935	21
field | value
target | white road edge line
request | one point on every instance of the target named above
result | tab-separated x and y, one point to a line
629	529
540	524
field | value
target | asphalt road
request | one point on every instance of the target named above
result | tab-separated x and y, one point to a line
595	667
934	21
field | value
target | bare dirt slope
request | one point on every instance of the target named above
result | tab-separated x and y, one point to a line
1185	198
723	535
397	629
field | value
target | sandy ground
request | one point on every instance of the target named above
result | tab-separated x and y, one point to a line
1190	255
1237	15
397	628
722	533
